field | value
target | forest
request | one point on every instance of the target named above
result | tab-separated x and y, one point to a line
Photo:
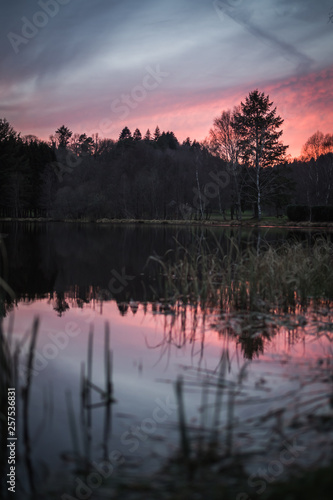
237	167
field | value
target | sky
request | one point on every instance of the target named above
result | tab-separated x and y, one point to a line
98	66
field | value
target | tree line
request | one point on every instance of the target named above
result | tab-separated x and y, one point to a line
241	165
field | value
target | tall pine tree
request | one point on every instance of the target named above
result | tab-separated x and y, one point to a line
257	126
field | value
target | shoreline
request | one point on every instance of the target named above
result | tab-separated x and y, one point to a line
250	223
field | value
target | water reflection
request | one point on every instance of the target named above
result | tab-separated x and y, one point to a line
90	261
75	278
291	361
73	266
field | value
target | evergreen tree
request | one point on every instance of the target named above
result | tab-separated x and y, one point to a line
157	134
147	136
6	131
257	124
39	155
63	135
167	140
9	166
137	135
125	134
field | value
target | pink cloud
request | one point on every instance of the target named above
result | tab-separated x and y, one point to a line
305	102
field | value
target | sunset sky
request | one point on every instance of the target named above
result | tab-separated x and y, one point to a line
99	65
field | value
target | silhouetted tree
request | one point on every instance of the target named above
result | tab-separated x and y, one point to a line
137	135
63	135
147	137
151	179
257	124
14	172
6	131
318	144
125	134
224	143
167	140
30	138
39	155
313	180
157	133
86	145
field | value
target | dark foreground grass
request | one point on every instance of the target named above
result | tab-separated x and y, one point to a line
311	485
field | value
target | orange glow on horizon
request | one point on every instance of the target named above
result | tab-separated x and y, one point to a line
304	102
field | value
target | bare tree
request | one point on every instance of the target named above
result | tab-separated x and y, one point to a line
224	143
317	145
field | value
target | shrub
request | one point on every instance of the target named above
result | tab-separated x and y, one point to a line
322	214
298	213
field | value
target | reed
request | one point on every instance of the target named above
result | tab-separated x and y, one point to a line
108	390
250	279
6	365
26	402
220	386
184	440
72	423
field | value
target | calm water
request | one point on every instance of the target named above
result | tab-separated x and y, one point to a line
76	278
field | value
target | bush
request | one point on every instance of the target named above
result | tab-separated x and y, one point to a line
322	214
298	213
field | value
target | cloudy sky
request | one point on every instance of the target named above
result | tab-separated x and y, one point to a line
98	65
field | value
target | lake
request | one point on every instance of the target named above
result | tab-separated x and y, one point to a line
253	384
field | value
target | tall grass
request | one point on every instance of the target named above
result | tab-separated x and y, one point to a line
9	363
266	278
88	393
